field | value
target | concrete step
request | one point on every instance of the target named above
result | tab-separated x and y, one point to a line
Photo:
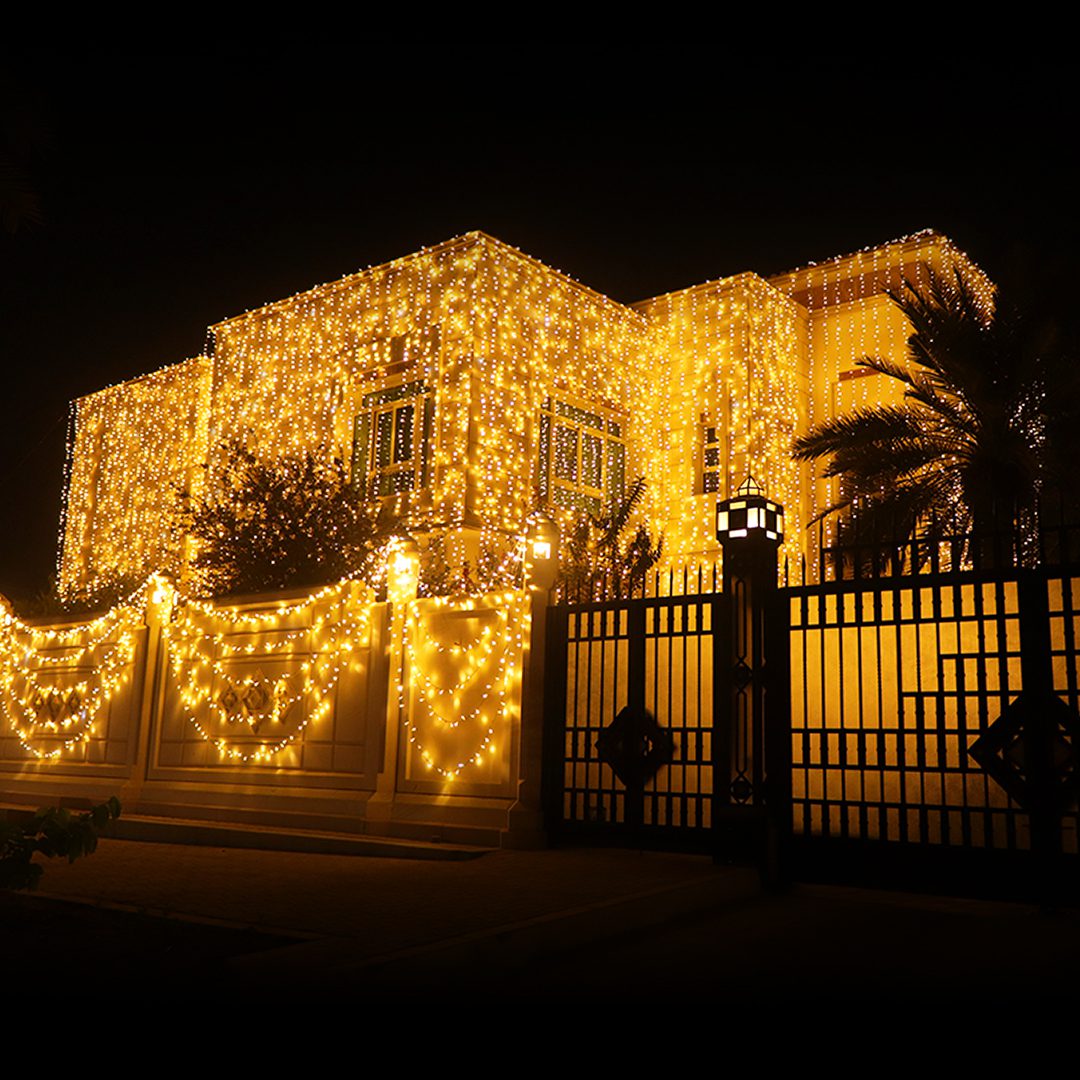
278	838
176	830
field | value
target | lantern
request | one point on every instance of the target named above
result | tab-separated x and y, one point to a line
542	551
749	515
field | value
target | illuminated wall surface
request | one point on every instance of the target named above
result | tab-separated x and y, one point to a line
299	687
471	380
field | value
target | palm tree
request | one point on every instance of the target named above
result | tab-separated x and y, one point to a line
599	562
964	455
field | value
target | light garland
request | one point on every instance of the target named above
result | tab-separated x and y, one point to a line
198	657
486	669
496	654
70	711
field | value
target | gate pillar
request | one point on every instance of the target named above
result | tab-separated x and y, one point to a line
751	739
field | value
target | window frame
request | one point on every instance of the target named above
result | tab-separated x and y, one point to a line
711	438
602	424
376	480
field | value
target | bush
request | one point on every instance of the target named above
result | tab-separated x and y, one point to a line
106	592
290	522
52	832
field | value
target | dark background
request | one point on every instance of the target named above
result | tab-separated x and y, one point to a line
175	191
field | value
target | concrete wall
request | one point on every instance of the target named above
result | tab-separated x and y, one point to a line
320	710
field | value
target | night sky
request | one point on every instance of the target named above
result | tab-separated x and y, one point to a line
177	191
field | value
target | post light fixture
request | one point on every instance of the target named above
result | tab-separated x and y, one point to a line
752	742
161	596
542	551
749	515
402	566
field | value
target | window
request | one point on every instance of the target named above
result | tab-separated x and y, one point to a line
710	460
390	440
582	456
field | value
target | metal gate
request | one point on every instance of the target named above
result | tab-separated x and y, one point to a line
644	746
922	727
934	725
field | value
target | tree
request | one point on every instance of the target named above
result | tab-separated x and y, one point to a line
290	522
966	454
597	558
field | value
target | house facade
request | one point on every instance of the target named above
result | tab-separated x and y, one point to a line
469	382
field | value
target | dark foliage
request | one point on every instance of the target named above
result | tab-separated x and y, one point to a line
53	832
291	522
972	448
598	561
106	592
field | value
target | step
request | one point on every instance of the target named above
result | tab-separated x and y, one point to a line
173	830
279	838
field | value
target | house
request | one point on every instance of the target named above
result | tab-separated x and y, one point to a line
465	383
468	380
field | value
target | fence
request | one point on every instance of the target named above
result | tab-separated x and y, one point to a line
931	714
928	720
323	709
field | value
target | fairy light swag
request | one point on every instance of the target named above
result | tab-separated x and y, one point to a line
251	683
57	682
463	663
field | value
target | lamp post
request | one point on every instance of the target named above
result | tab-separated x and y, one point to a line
541	552
541	559
402	568
751	749
402	555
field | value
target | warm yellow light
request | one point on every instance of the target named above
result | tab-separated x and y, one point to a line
490	337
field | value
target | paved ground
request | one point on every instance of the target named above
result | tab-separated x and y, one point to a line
571	923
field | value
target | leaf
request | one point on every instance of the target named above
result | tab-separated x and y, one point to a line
292	521
966	448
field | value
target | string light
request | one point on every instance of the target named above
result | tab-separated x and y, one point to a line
487	670
199	655
850	317
497	339
205	641
52	715
136	445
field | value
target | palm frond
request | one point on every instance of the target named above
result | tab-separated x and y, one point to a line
862	427
872	470
616	516
966	447
887	367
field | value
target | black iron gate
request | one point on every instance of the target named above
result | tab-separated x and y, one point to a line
646	742
934	727
920	725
